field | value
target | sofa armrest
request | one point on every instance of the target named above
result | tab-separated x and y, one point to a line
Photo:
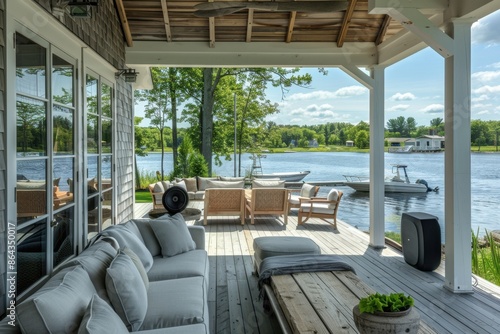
198	235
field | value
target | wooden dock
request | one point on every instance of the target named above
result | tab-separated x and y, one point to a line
234	297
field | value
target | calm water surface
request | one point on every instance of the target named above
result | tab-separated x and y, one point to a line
354	208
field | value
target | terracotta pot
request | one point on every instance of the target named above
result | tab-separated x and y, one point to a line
387	322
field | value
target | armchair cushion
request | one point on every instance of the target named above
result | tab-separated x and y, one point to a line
158	187
268	184
225	184
307	190
333	195
100	318
173	235
126	291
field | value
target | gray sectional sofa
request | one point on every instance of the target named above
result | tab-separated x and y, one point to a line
145	276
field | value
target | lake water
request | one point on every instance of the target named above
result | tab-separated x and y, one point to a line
354	208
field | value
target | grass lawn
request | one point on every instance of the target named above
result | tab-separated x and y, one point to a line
142	196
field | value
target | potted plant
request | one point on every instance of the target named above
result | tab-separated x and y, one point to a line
386	313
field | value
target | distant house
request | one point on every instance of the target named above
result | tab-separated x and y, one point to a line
349	143
313	143
397	142
400	145
429	143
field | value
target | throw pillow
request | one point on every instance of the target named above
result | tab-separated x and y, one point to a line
173	235
126	291
100	318
181	184
59	305
307	190
138	265
202	182
191	184
333	195
232	179
129	239
158	188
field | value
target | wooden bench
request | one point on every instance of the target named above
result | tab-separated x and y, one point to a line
318	302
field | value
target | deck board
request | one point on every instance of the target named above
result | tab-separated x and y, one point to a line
233	295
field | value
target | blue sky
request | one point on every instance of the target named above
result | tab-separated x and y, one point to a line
414	87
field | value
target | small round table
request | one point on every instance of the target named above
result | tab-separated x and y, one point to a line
188	213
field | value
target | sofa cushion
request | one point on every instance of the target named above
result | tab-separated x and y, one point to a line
268	184
181	184
176	302
232	179
95	260
173	235
127	238
138	265
191	184
100	318
148	236
158	188
307	190
126	291
189	264
59	305
202	182
132	227
225	184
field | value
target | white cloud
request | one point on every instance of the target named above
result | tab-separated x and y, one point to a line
483	112
323	95
480	98
402	97
481	106
486	90
433	109
485	30
486	76
399	107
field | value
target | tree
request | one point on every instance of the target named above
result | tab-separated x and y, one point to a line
189	163
480	133
362	139
166	91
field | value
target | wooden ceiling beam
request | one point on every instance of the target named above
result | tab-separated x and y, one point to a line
383	30
346	22
291	24
124	22
249	25
211	29
166	20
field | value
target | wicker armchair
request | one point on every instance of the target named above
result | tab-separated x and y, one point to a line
323	208
267	201
224	202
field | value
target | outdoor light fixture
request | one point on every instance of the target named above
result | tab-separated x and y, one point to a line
82	9
129	74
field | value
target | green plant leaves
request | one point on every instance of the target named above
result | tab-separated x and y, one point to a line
394	302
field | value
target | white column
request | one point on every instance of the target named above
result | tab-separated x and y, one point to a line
377	215
457	161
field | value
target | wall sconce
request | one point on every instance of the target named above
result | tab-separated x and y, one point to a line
82	9
129	74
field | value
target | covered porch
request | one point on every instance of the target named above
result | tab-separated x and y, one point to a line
234	303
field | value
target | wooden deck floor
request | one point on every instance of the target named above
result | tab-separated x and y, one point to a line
233	295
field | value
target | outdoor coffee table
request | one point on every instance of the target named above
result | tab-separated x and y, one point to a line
188	213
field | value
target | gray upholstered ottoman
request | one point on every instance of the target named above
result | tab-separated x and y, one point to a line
275	246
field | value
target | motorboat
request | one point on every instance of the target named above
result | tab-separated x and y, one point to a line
286	176
394	184
256	171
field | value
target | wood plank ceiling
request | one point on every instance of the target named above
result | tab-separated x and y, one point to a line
174	21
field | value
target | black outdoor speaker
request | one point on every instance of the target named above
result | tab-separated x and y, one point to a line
421	238
175	199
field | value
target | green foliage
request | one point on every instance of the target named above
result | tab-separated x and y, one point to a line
394	302
362	139
144	179
486	260
189	162
393	236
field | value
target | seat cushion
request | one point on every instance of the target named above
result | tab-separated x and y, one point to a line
189	264
275	246
100	318
322	208
173	235
294	199
225	184
268	184
58	306
126	291
176	302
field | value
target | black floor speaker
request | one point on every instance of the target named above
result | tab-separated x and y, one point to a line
421	238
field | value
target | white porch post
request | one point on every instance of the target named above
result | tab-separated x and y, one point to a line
457	161
377	214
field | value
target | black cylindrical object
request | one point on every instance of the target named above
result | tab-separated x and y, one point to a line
175	199
421	239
